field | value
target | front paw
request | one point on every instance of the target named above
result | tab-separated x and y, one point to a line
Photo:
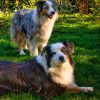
22	52
87	89
50	70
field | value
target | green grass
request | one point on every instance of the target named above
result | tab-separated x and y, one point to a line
84	31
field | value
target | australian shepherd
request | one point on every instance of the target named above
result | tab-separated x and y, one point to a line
32	28
48	74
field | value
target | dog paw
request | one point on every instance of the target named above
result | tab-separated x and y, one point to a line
22	52
87	89
50	71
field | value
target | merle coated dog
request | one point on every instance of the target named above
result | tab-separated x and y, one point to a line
33	28
48	74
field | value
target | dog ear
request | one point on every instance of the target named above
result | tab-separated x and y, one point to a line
71	61
69	46
45	50
39	3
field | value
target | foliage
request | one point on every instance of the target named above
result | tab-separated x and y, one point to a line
10	5
64	6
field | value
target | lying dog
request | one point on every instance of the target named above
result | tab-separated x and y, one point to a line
33	28
49	74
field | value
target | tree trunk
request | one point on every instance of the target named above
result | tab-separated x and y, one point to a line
83	6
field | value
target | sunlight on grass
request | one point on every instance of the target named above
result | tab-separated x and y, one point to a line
6	15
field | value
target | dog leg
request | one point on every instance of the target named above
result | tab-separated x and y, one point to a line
71	87
18	37
21	47
26	47
22	52
74	88
34	52
32	46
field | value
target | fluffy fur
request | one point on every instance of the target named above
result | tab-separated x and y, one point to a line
61	65
33	28
48	74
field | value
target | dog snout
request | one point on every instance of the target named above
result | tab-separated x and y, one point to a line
53	12
61	58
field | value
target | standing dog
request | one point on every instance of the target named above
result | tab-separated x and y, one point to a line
48	74
33	28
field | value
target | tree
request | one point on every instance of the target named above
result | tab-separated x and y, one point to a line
83	6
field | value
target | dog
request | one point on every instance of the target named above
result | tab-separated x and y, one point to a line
48	74
61	66
33	28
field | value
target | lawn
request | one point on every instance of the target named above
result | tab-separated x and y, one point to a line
84	31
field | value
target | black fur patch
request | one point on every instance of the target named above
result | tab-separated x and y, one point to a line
24	30
48	54
39	5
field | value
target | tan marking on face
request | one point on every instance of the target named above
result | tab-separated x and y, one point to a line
69	60
43	12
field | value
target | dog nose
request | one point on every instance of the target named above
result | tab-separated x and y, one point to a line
53	12
61	58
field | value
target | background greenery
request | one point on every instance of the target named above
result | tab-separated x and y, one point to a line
64	6
83	30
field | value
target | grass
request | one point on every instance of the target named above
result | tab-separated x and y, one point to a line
84	31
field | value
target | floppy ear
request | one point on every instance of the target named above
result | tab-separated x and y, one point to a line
39	3
45	50
71	61
69	46
46	53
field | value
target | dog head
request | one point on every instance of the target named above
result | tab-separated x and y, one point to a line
58	53
46	8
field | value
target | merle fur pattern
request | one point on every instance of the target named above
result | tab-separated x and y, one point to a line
33	28
27	76
32	75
